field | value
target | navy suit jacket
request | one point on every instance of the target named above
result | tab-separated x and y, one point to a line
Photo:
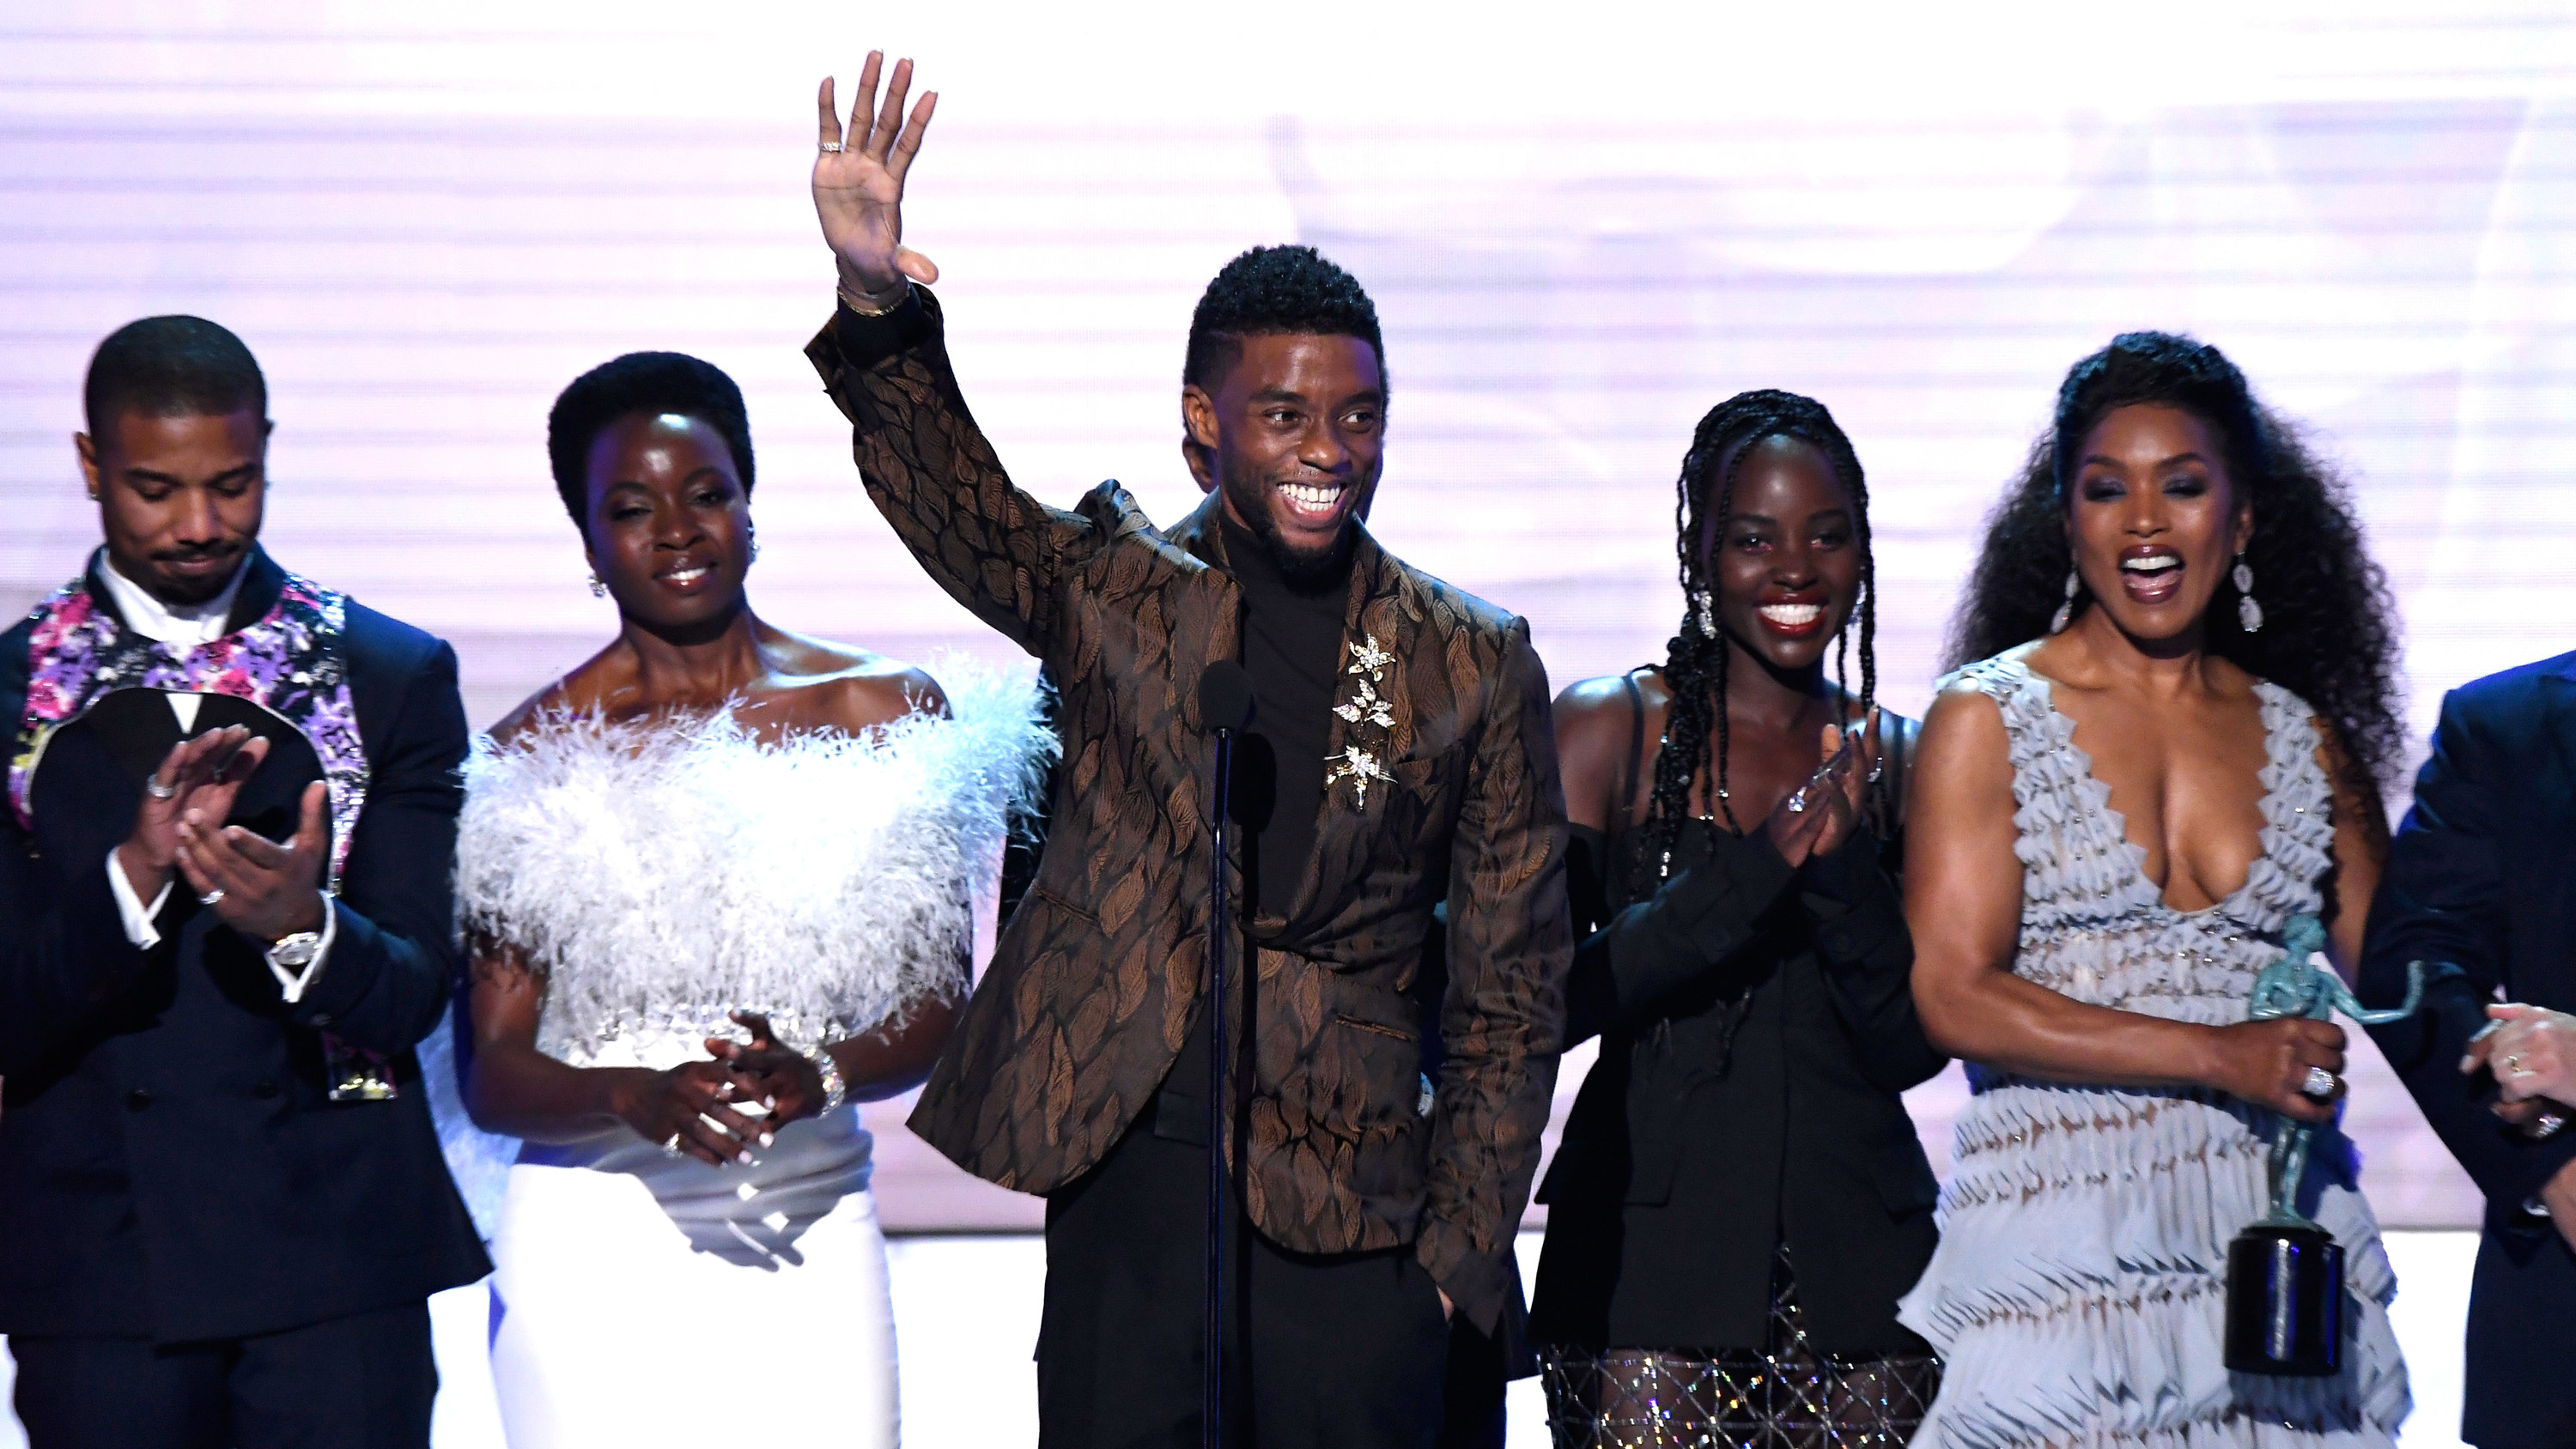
2483	875
171	1165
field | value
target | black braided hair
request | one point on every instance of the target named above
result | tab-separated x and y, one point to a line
1695	667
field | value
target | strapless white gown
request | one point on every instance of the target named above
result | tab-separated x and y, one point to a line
660	878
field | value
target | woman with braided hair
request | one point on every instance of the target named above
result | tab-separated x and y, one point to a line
2162	764
1740	1198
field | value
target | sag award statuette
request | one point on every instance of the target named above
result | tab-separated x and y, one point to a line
2285	1273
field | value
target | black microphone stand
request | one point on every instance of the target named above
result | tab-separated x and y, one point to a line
1225	708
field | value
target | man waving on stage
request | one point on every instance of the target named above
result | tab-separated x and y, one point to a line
1380	1141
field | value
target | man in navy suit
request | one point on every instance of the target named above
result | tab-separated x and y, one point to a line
224	924
2482	877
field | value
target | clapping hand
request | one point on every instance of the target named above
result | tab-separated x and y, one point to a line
258	887
1815	818
858	180
198	777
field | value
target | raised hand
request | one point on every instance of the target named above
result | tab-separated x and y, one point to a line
858	179
199	776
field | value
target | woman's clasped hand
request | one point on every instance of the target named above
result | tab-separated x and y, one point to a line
719	1111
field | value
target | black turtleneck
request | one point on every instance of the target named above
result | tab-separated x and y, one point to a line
1292	648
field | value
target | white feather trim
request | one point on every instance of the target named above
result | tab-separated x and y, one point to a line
662	874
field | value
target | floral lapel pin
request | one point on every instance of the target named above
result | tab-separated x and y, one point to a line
1356	763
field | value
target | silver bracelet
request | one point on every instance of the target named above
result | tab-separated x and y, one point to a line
835	1091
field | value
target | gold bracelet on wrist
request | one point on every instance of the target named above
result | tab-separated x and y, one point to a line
875	304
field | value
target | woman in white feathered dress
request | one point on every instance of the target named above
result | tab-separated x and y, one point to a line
718	888
2117	813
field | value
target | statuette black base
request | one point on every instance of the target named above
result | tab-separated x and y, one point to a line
2285	1301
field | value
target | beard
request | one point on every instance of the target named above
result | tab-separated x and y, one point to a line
1250	495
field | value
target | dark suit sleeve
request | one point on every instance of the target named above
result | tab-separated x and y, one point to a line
2442	902
64	954
1859	919
1691	925
385	984
930	470
1510	944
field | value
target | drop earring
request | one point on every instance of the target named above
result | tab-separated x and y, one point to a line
598	590
2249	614
2066	611
1705	603
754	536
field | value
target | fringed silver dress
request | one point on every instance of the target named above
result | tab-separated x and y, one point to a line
2078	1295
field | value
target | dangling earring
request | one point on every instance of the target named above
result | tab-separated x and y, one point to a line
2249	614
754	535
2066	611
1706	605
598	590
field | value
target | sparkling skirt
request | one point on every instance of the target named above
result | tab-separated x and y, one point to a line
1788	1396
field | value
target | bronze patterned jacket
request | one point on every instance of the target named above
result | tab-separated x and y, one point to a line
1098	974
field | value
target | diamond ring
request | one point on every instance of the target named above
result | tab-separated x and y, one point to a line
210	897
829	147
153	787
2320	1084
671	1148
2547	1124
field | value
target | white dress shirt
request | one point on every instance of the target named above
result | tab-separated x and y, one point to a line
187	625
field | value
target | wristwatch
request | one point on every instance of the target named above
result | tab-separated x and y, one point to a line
295	952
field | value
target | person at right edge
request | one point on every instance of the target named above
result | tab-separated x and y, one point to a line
2476	889
1740	1197
1403	759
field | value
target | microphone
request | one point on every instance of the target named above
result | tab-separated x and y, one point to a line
1225	698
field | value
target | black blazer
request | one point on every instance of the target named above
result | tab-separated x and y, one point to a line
170	1163
1757	1026
2482	875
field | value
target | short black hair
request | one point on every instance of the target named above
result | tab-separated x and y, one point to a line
171	367
651	383
1271	290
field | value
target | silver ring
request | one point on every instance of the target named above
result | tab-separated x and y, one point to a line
671	1148
829	147
2547	1124
1877	768
153	787
2320	1084
210	897
1798	801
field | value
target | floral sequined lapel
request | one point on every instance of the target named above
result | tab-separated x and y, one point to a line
287	660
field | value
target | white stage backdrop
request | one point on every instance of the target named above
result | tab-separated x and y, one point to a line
1583	228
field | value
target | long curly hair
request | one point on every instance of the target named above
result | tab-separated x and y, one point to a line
1695	664
2329	626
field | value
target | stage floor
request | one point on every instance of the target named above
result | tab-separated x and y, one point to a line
966	1317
